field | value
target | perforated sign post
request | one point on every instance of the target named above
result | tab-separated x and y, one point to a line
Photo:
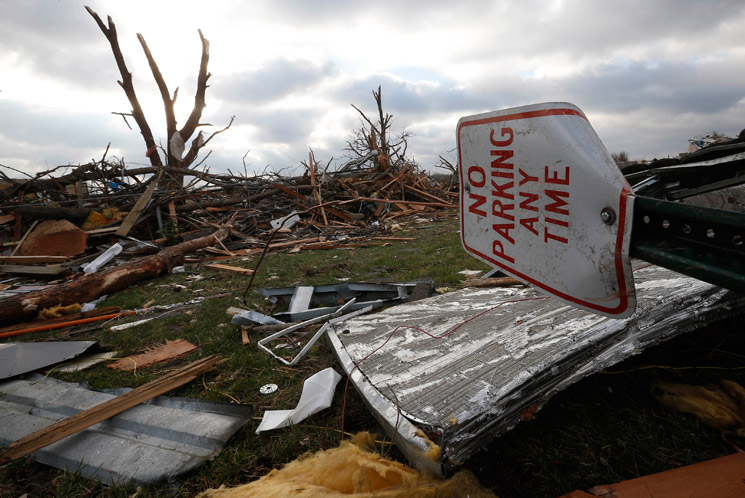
542	199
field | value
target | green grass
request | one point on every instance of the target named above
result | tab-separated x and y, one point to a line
436	255
603	429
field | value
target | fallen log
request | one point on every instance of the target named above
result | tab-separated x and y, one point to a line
88	287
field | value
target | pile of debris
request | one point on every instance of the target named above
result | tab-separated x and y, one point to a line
54	226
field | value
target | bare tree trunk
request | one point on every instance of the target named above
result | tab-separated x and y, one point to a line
90	286
178	157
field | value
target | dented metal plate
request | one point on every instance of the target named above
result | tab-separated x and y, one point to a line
465	365
542	199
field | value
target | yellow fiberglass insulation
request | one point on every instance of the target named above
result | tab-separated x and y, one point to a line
720	407
351	471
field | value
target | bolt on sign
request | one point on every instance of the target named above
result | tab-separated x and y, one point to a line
542	199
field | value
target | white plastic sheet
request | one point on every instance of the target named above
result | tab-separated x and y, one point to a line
318	392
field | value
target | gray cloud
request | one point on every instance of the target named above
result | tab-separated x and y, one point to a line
275	80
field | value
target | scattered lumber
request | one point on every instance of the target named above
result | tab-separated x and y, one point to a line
86	418
90	286
230	269
164	352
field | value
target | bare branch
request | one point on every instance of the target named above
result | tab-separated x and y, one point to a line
126	83
199	100
165	95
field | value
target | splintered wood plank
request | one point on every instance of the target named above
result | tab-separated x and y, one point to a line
23	239
231	269
33	260
82	420
721	477
165	352
138	208
34	270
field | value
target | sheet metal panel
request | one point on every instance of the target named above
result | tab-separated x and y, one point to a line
506	349
145	444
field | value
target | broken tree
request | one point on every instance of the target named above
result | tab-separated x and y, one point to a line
88	287
176	154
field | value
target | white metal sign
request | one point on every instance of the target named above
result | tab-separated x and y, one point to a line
542	200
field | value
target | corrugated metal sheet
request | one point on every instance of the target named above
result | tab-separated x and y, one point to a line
145	444
513	348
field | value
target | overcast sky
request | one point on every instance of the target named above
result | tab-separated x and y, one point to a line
649	74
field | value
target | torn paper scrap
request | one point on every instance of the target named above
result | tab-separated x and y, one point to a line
318	392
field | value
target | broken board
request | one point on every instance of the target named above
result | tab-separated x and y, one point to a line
464	366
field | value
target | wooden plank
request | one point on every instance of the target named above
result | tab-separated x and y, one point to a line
33	260
99	231
423	194
231	269
159	354
34	270
23	239
82	420
137	209
316	190
721	477
291	243
232	311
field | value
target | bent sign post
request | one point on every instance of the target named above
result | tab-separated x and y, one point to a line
542	200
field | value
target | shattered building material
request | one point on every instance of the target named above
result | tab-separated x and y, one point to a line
21	357
54	238
155	441
317	395
104	258
321	300
91	286
52	432
353	469
464	366
158	354
335	316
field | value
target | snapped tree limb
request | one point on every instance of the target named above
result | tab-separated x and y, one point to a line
88	287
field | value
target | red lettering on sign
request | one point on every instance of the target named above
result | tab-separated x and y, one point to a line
502	143
477	201
557	205
529	223
547	235
526	178
502	190
554	178
476	183
498	250
503	229
529	199
498	209
502	156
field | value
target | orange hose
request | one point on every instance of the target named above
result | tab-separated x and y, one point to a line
51	326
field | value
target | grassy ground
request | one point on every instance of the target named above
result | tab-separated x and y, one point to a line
605	428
